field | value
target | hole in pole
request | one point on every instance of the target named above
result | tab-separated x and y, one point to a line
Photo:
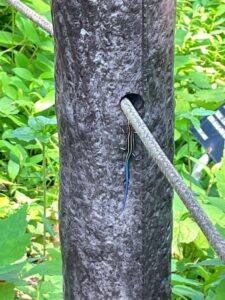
136	100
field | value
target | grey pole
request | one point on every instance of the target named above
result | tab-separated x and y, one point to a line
105	50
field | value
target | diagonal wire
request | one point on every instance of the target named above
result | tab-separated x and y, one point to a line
32	15
174	178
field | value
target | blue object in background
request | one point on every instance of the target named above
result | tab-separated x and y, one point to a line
211	135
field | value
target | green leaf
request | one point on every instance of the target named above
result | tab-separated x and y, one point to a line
43	136
178	278
14	238
51	267
19	84
220	10
173	265
182	61
184	150
38	123
21	59
177	135
201	242
34	160
217	202
7	291
216	215
24	134
29	30
8	38
7	107
180	36
188	231
201	80
45	64
3	3
183	99
13	169
23	73
48	226
217	95
45	103
4	206
195	122
220	291
202	112
185	291
209	262
13	272
6	145
51	288
10	91
202	36
220	178
40	6
22	198
18	120
178	207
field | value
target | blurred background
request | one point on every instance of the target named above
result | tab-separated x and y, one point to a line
30	259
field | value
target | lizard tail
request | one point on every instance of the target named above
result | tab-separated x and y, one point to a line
127	177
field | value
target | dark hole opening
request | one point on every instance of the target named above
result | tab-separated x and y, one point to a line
136	100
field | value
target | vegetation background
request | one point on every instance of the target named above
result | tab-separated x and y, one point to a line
29	153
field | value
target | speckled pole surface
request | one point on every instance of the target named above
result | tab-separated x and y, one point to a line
105	49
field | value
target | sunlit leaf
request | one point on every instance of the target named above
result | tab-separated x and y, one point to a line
13	169
23	73
220	178
8	38
220	291
14	239
48	226
7	291
45	103
7	107
179	37
210	262
185	291
38	123
179	279
201	80
24	134
21	59
51	267
202	112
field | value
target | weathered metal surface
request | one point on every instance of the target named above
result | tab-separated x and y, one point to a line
105	49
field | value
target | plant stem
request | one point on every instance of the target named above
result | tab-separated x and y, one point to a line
13	30
189	154
44	197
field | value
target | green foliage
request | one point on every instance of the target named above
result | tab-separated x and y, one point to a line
199	89
13	236
220	176
7	291
13	249
29	153
29	159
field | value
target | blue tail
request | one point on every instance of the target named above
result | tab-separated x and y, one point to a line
127	177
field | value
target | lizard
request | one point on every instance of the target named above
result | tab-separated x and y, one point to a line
130	148
138	103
